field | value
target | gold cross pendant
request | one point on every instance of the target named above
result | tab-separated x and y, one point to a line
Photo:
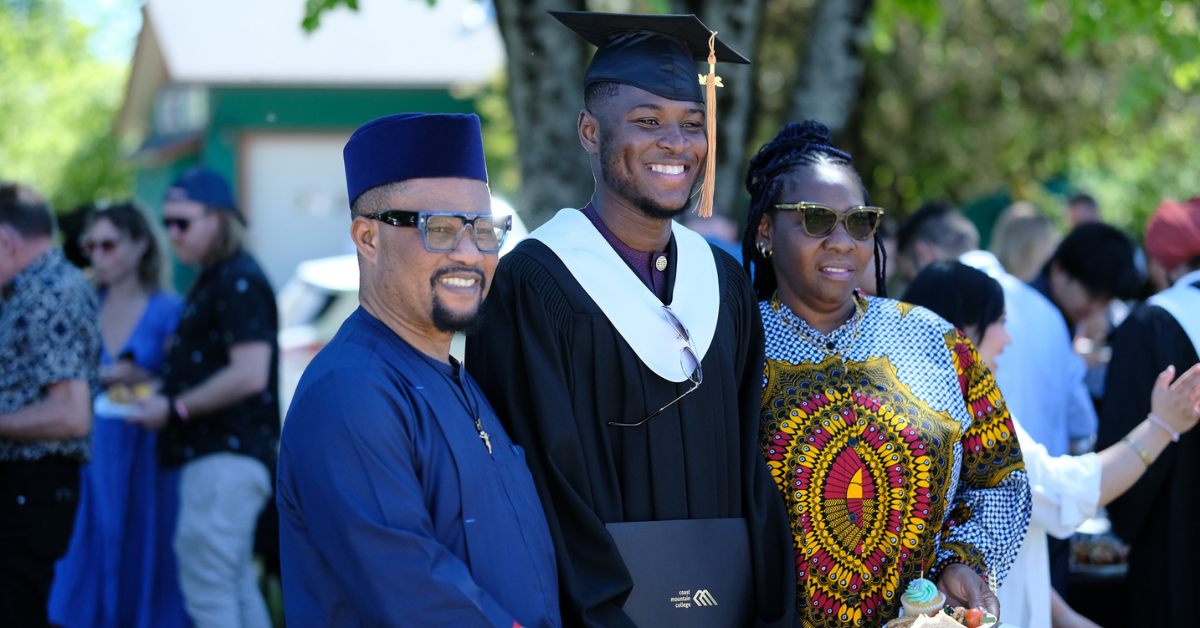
487	440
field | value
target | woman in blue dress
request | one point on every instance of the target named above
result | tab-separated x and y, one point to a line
120	568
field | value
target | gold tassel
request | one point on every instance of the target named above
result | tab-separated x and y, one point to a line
711	81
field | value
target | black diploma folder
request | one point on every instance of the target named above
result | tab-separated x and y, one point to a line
694	572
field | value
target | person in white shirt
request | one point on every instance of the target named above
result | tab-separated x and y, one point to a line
1043	378
1066	489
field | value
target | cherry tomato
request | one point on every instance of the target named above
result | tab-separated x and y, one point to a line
974	618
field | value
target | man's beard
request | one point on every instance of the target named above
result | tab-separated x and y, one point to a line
447	321
610	171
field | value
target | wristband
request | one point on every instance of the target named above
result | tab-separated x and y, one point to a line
180	410
1163	424
1133	444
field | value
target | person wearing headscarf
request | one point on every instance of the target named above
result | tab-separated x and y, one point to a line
1156	517
402	501
884	429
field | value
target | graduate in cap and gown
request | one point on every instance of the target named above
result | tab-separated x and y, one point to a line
630	366
1158	515
402	501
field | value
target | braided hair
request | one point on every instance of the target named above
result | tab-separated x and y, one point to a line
798	145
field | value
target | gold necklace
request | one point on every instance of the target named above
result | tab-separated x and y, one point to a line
859	313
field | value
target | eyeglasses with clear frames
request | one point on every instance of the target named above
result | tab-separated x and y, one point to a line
689	361
441	232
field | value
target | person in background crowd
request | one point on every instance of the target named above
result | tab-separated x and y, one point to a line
120	571
936	231
72	226
716	229
1040	358
1093	265
218	413
1157	518
49	370
1066	489
402	500
883	429
1081	210
1023	241
632	411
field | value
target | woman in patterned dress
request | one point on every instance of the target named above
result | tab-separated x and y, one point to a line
883	429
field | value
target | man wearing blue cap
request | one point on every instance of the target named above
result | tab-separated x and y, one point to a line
402	501
218	413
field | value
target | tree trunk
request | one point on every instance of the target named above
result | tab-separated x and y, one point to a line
545	92
830	76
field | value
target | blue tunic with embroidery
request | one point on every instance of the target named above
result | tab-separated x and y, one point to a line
392	511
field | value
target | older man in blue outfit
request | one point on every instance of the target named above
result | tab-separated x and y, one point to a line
402	501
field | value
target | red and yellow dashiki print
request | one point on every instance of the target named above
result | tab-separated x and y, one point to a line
902	452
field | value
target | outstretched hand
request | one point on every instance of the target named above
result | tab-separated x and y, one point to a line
963	587
1177	403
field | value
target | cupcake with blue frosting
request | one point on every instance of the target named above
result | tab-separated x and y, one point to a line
922	598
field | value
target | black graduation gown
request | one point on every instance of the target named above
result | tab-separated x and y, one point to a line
556	371
1159	514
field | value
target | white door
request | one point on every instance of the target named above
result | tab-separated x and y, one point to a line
294	194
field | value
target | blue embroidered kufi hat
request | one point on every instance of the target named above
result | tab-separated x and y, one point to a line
413	146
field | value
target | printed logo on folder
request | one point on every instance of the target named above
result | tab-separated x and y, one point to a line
663	576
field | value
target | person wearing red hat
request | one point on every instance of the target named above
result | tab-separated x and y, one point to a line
1156	517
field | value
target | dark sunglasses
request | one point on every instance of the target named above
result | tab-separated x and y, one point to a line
90	246
441	232
820	220
688	361
181	223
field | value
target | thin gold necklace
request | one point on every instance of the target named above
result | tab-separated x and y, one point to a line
859	313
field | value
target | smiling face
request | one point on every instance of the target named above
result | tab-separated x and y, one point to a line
649	150
113	254
820	273
425	291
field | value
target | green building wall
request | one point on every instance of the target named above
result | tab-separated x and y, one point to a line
235	111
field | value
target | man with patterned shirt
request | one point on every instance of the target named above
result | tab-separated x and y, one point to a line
49	363
218	412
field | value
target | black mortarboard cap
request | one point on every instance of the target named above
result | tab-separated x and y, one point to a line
657	53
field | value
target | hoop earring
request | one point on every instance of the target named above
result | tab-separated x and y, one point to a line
764	251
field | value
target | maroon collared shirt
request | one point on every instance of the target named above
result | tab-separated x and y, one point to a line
650	266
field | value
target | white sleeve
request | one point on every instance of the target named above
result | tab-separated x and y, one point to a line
1066	489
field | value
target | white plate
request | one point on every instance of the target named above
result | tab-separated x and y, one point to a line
109	409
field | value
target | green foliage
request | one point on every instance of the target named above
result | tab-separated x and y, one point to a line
57	104
314	8
1006	95
975	99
